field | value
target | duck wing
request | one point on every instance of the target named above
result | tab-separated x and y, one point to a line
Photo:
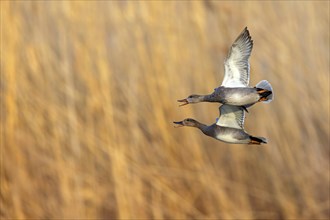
231	116
237	67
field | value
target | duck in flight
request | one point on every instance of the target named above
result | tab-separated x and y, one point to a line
228	128
235	89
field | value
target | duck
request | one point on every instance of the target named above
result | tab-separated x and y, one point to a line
235	89
228	128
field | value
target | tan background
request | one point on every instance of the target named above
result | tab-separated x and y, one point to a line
88	96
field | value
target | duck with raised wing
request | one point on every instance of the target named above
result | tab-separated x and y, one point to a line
228	128
235	88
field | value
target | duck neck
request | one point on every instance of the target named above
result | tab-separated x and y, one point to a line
216	96
199	98
201	126
204	98
209	98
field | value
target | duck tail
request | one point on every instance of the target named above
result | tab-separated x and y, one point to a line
268	95
258	140
245	107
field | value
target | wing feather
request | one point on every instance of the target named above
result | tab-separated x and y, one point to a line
237	67
231	116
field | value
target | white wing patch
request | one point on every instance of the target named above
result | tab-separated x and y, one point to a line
231	116
237	67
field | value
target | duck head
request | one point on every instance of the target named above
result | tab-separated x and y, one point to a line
186	122
191	99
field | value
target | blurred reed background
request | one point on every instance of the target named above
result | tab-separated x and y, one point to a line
88	96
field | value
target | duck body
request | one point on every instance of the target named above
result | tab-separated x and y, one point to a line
240	96
234	96
228	135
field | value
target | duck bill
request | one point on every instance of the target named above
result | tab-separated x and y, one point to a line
185	102
178	124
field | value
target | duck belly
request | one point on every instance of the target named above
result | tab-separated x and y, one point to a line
229	138
241	97
232	135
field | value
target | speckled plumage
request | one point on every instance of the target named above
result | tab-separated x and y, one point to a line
226	134
233	96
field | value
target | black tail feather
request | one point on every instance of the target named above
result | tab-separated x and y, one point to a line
268	95
259	140
265	94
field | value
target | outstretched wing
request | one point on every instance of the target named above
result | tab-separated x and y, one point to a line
237	67
231	116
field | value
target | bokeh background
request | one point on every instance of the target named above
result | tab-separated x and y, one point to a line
88	96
